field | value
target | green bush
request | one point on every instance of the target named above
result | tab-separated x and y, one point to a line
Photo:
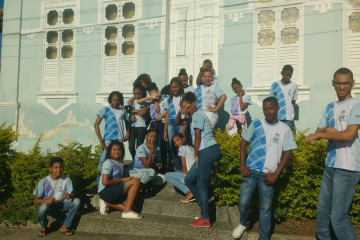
7	137
28	169
297	189
226	175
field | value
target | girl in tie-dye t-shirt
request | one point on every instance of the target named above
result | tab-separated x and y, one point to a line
239	107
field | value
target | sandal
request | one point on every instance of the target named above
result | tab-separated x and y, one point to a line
67	231
43	232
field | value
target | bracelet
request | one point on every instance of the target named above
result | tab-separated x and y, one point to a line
201	69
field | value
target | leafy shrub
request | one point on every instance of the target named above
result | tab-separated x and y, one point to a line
297	189
28	169
7	137
226	176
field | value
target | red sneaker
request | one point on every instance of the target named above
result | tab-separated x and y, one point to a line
200	222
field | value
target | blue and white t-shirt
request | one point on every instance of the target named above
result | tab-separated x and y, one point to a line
173	107
285	94
187	152
143	151
342	154
140	121
114	122
48	186
189	89
162	104
207	96
235	105
267	144
200	121
114	169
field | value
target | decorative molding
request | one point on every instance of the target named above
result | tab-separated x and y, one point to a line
31	35
9	104
303	94
101	97
235	16
151	24
323	7
88	30
42	99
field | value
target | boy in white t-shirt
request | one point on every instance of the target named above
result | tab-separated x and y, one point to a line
272	142
340	125
55	193
286	93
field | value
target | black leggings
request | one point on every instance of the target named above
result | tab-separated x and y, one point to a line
138	134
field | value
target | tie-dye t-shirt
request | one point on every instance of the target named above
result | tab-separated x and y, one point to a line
48	187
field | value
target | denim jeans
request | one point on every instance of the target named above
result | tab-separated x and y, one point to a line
337	191
197	178
160	141
144	174
171	130
137	134
266	193
177	179
71	206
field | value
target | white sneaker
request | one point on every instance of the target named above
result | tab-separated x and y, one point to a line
103	207
131	215
238	231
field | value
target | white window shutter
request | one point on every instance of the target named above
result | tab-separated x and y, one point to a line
265	52
291	44
352	39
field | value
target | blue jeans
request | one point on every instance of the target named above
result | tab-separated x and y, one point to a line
177	179
171	130
197	178
337	191
266	193
143	174
71	206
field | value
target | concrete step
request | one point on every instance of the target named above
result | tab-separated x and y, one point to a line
151	225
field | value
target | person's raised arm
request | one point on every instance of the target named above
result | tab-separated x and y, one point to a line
98	133
218	105
242	104
346	135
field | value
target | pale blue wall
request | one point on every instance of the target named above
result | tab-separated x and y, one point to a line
322	54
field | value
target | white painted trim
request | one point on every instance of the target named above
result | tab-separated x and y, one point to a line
303	94
9	104
71	99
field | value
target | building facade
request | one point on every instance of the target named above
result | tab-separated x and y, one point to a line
61	58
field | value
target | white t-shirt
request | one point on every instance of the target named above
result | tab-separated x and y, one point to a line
267	144
285	94
187	152
342	154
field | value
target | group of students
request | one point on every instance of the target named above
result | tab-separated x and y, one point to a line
178	123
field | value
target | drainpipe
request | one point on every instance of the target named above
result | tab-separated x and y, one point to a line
18	72
167	41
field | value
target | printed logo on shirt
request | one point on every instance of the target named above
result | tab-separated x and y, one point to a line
290	92
342	116
276	138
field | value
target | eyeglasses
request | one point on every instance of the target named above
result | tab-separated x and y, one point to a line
345	84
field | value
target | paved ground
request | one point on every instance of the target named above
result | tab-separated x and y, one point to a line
15	233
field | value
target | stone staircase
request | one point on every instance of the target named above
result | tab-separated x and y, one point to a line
164	217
